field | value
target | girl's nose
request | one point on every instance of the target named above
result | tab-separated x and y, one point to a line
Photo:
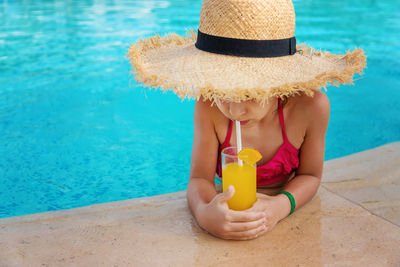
237	110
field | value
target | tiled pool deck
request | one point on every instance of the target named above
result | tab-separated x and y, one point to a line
354	220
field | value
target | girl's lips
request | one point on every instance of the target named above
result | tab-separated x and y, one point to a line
244	122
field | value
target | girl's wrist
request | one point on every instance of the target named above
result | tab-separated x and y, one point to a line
284	206
199	214
199	210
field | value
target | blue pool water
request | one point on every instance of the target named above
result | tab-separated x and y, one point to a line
74	133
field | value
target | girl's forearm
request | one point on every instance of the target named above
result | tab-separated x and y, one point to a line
199	192
303	188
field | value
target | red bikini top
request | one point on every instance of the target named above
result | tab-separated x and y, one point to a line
282	164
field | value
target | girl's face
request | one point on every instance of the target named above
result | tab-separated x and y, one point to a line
247	112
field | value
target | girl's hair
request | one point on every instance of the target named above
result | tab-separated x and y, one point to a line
284	100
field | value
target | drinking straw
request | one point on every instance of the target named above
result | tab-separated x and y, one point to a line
239	141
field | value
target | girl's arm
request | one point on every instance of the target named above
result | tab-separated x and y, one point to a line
209	208
308	176
201	188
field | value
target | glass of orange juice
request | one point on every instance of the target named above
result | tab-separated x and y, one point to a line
242	175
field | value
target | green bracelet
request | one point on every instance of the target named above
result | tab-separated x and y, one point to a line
291	198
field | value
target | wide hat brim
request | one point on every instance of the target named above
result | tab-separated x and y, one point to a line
172	62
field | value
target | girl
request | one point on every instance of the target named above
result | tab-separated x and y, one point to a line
278	134
244	65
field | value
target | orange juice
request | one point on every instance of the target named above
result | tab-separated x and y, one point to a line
244	179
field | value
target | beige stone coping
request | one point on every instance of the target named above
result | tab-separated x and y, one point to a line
331	230
370	179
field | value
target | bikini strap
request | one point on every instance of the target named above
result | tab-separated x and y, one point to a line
228	134
282	121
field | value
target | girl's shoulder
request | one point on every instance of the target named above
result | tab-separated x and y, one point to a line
318	100
208	109
311	114
313	107
207	113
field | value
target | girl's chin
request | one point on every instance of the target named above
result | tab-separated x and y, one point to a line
248	124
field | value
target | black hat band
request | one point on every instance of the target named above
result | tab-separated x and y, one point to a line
244	47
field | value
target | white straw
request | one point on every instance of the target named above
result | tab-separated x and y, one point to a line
239	141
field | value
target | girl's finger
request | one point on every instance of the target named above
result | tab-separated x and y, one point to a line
246	226
246	235
228	194
244	216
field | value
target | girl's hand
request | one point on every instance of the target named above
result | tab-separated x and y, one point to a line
216	218
275	208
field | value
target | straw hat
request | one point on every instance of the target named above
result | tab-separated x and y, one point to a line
243	50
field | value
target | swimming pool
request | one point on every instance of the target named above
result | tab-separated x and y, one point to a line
74	133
